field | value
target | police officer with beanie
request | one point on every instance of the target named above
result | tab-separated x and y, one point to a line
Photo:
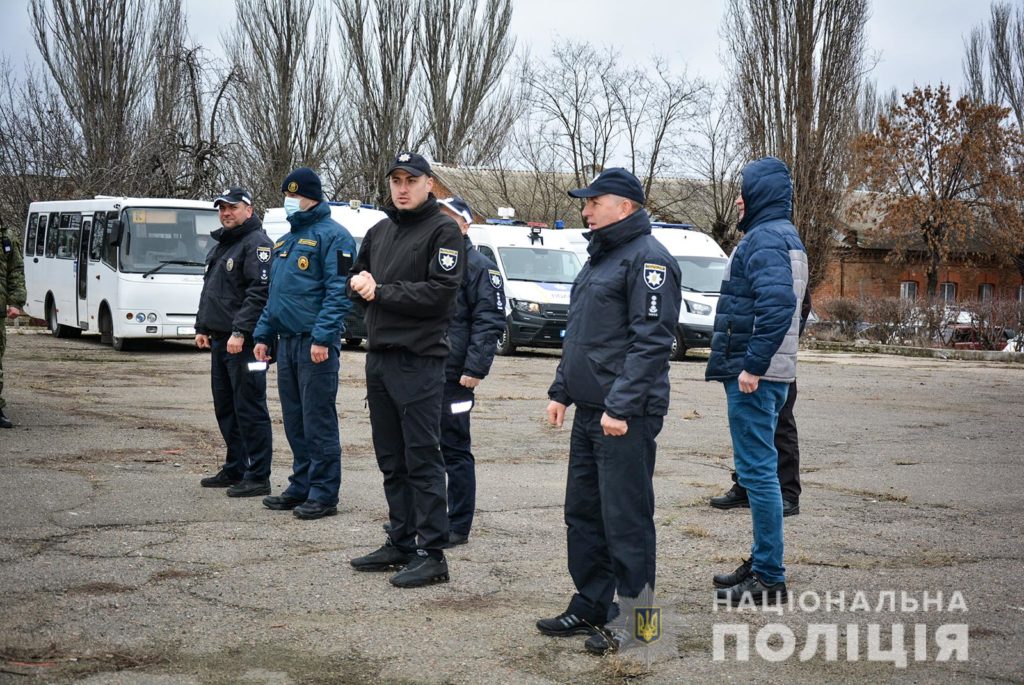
234	292
408	273
473	336
301	327
615	361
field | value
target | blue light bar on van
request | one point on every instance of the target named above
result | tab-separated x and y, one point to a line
663	224
501	222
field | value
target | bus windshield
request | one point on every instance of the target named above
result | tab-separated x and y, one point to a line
539	264
702	274
171	240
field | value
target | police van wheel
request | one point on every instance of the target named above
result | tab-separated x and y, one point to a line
678	349
505	347
353	343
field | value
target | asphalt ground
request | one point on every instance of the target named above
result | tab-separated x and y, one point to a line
116	567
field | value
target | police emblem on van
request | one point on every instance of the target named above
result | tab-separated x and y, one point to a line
495	277
263	254
447	258
654	274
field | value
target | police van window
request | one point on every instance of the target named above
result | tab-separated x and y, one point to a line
67	236
174	239
40	236
52	236
30	234
486	252
540	265
99	226
701	274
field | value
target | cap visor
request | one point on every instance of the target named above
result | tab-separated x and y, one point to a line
585	192
413	171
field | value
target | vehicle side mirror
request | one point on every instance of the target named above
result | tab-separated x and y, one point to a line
116	233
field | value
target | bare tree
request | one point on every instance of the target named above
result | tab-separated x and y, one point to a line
284	99
994	60
797	71
715	158
381	92
464	48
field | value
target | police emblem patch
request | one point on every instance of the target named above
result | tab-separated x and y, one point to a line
495	277
447	258
230	264
263	253
654	274
293	186
647	624
303	262
404	157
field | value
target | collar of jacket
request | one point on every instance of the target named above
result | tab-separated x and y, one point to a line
229	235
411	216
300	220
611	236
469	243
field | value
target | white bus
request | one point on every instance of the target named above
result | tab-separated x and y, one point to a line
124	268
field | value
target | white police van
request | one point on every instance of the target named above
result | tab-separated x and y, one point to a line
358	219
538	266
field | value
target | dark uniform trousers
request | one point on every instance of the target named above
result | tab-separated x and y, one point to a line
240	404
787	445
404	393
308	394
456	446
609	511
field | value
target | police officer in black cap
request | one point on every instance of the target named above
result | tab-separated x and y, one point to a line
301	327
408	273
615	360
473	336
234	292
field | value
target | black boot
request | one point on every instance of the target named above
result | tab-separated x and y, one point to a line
735	497
221	480
790	507
752	590
422	570
737	576
249	488
383	559
566	624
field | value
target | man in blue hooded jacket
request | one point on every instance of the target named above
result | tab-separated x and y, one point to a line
753	352
302	326
622	318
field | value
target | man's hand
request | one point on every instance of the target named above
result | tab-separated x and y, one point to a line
469	381
13	311
364	285
235	344
318	353
613	427
260	352
202	341
748	382
556	413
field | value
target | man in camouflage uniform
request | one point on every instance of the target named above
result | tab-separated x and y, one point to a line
12	298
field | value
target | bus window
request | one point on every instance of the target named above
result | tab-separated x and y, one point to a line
176	240
109	255
67	236
41	236
30	235
51	236
99	225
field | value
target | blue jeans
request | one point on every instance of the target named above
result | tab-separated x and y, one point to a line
308	394
752	421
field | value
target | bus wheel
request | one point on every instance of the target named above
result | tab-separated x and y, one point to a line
106	327
120	344
505	347
57	330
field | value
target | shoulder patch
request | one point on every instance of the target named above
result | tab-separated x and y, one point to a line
447	258
263	253
278	244
307	241
654	275
495	277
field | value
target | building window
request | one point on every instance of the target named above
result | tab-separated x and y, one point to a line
947	292
908	290
986	291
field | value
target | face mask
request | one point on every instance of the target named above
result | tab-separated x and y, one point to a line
291	205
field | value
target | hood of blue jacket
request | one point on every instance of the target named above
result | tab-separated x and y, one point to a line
767	192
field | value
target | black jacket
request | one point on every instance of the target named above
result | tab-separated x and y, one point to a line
623	312
479	318
416	257
237	279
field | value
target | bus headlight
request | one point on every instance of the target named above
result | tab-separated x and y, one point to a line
526	306
140	317
151	318
697	308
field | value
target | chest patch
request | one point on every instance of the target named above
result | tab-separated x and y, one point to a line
230	264
263	254
447	258
654	275
7	246
307	241
303	262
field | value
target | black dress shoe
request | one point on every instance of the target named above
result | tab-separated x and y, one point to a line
221	480
249	488
422	570
604	641
790	507
311	509
566	624
737	576
383	559
735	497
4	421
456	539
755	591
282	502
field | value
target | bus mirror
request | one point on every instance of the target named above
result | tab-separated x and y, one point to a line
116	231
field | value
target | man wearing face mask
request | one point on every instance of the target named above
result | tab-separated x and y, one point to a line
408	272
301	327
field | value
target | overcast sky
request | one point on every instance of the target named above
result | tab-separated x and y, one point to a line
916	41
